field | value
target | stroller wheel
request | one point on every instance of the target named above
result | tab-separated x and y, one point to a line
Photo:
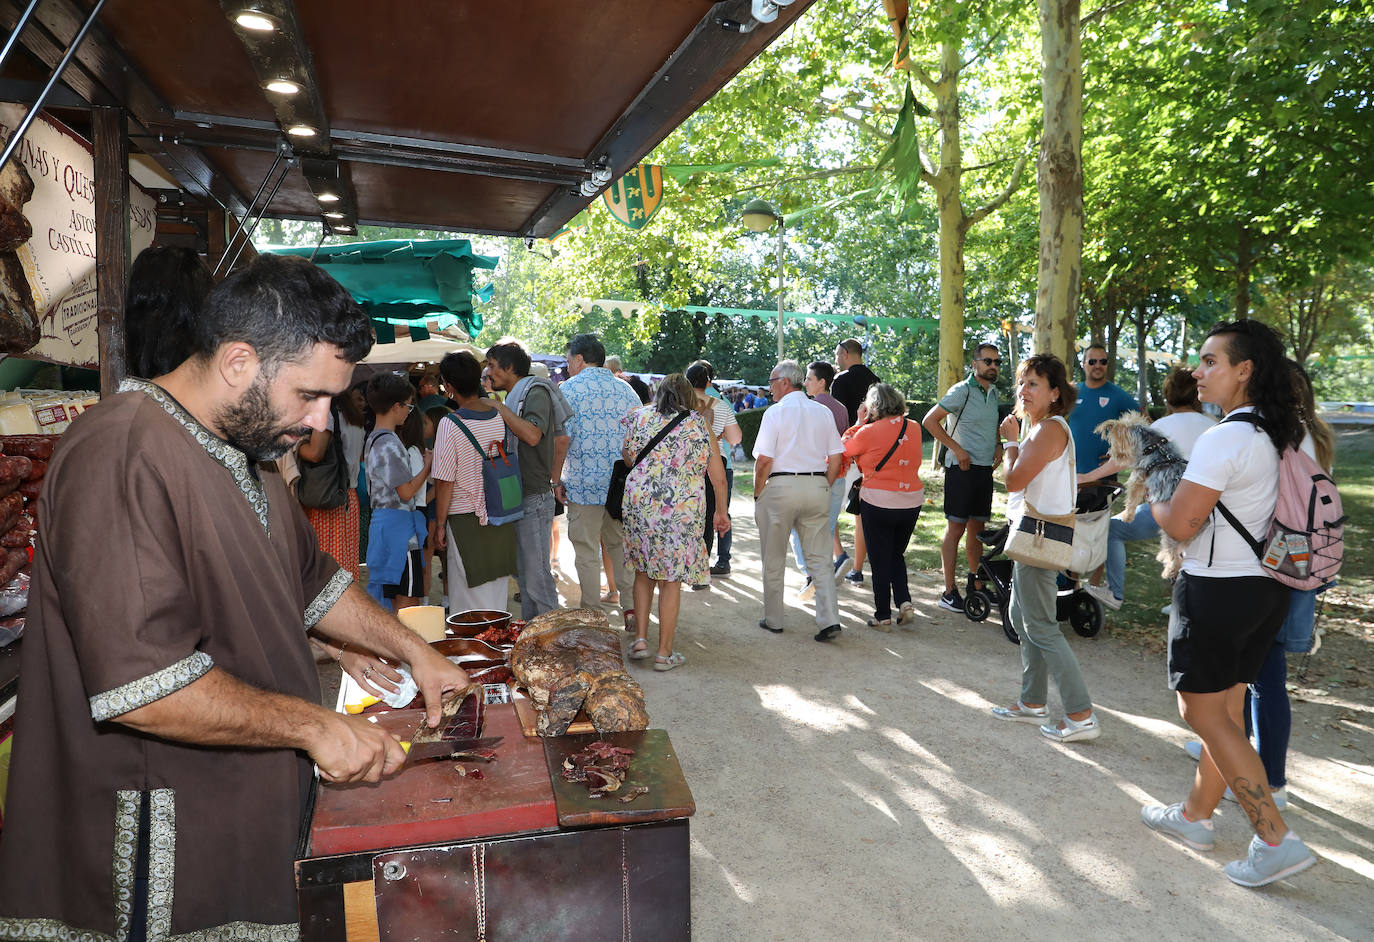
1085	615
976	606
1008	630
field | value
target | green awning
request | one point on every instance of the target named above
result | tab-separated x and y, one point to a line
404	282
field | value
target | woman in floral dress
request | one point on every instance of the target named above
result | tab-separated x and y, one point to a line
665	509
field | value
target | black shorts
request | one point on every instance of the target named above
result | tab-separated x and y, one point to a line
968	494
1221	630
412	579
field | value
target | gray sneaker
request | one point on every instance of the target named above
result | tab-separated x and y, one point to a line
1268	863
1170	821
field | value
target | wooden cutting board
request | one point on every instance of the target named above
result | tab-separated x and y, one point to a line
430	803
653	765
528	715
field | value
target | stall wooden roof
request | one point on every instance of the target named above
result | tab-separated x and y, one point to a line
470	115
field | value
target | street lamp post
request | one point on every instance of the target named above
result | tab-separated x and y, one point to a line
759	216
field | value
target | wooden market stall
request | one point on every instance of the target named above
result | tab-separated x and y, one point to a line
493	118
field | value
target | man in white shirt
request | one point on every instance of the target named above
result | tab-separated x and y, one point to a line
796	459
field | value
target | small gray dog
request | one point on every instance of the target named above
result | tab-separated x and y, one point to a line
1156	468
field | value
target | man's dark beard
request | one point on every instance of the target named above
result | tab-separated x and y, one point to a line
250	425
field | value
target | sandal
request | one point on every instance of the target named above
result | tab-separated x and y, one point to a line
881	624
1021	713
906	613
630	619
640	649
675	659
611	598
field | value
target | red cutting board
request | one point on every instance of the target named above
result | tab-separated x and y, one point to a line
514	797
654	765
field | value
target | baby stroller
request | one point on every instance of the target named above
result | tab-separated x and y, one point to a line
1073	604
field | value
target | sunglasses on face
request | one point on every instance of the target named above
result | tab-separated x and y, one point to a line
1102	362
991	361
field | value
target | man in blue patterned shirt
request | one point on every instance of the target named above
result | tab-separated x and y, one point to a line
599	401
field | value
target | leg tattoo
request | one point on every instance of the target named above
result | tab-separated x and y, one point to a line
1254	798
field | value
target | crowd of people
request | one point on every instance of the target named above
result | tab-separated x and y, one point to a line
838	439
180	629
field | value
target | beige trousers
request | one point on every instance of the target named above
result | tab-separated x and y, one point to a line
589	528
801	503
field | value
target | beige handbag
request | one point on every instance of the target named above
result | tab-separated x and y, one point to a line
1046	541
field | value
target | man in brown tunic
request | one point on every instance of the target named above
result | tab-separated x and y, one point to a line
170	711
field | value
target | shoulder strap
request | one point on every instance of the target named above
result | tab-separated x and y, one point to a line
1255	545
468	432
1236	525
676	421
1073	462
968	391
900	435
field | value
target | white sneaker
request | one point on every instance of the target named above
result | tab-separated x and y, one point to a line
1104	595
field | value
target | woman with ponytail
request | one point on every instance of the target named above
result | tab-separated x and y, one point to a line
1226	611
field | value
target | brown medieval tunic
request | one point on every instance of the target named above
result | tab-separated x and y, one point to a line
162	552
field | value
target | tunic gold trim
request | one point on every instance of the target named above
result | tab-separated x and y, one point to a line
233	460
146	690
331	593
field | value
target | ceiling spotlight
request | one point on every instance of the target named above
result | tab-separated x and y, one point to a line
328	197
301	130
258	22
333	214
283	86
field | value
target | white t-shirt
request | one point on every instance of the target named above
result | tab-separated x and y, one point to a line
798	434
1183	429
1239	460
352	438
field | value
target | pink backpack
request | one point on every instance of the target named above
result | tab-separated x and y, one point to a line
1306	540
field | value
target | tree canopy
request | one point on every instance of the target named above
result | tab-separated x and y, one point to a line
1225	174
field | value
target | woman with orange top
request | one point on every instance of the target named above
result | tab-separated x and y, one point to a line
886	445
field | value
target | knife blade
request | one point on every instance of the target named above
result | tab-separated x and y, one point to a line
417	752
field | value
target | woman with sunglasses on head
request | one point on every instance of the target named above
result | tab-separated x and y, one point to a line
1039	472
1226	611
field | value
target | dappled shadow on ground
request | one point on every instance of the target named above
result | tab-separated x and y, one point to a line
861	789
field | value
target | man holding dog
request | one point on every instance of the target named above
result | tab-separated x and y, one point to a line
973	450
1098	400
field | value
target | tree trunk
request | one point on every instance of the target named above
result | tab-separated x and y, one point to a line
1142	385
1244	262
1060	179
953	223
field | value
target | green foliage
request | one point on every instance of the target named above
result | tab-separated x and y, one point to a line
749	421
1222	143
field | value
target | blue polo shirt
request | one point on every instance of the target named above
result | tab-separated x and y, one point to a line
1095	406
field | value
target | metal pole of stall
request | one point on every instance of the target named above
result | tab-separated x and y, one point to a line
23	128
18	28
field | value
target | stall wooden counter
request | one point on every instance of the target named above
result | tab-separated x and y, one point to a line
515	854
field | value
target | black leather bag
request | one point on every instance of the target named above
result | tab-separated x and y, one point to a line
620	471
323	484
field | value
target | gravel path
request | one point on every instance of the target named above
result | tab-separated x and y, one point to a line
861	790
